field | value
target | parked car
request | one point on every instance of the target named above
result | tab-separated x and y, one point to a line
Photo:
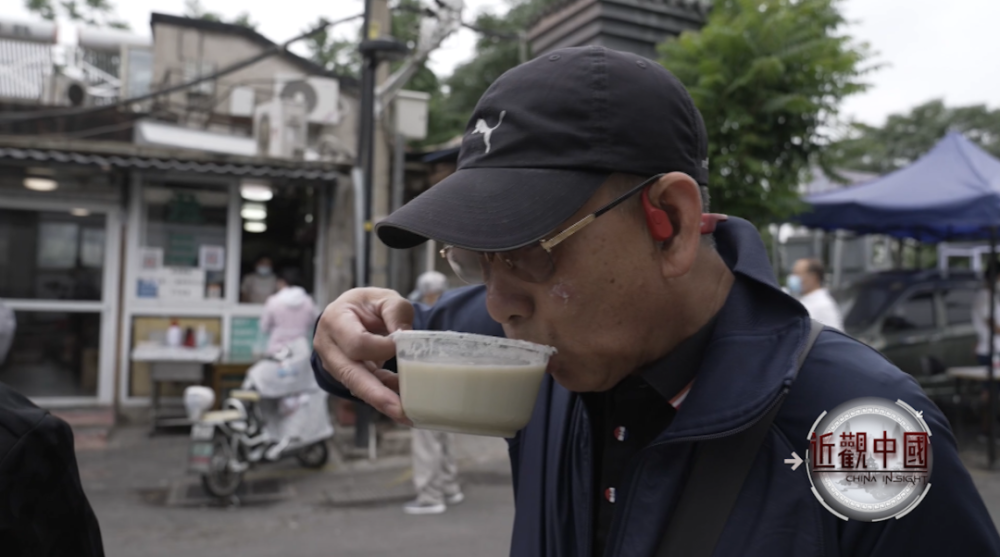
920	320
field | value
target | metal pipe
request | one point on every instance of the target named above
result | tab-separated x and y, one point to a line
398	183
368	163
992	273
775	251
430	256
366	143
838	258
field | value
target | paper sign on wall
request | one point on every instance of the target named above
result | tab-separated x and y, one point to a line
150	259
212	258
172	284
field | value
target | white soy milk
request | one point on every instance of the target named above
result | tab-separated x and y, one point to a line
494	400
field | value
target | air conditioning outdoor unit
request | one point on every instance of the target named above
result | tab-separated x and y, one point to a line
321	96
280	128
62	90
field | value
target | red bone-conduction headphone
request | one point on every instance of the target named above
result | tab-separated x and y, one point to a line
659	224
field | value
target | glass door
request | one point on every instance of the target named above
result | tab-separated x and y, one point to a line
56	275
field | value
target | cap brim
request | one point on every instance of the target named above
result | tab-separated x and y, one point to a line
491	209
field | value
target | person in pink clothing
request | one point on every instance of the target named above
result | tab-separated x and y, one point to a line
289	314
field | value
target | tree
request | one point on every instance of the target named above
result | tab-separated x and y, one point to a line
766	76
497	51
243	19
341	56
194	9
99	13
452	99
906	137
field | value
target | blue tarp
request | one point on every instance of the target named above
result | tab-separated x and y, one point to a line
952	192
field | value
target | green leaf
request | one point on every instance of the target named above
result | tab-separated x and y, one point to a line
906	136
766	74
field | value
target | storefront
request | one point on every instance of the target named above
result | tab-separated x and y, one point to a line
124	246
206	253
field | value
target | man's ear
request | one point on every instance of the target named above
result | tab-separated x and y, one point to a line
678	195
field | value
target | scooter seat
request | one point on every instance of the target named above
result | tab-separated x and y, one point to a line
221	416
245	396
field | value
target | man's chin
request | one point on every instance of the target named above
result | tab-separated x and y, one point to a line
570	381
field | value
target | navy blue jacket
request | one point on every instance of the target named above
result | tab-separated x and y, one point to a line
43	508
749	361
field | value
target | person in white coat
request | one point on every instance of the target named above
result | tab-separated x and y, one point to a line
435	472
289	314
986	331
806	283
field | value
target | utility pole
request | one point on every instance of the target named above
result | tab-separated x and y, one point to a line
376	47
371	30
991	274
366	153
396	201
378	205
373	149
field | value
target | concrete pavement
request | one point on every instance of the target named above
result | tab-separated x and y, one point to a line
131	483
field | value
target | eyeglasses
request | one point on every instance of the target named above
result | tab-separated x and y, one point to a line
533	263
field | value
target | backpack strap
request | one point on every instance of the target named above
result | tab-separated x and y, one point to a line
720	467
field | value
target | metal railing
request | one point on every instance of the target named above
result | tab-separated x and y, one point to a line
26	67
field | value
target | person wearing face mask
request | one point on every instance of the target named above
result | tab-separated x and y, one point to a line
258	286
981	319
806	284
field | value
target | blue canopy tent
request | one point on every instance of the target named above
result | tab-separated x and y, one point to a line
951	193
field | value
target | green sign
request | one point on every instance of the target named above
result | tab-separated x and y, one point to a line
243	337
184	208
182	250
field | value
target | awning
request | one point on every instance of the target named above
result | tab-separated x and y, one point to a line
107	155
952	192
162	134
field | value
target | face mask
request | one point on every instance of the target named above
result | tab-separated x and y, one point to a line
263	271
794	284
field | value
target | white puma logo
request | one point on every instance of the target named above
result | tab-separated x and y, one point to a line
485	129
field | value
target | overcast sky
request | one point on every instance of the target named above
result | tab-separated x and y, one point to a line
929	48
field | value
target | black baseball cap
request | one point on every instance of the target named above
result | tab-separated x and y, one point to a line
542	140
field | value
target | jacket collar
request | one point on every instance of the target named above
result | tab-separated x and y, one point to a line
751	356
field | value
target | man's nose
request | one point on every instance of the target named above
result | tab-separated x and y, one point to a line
507	300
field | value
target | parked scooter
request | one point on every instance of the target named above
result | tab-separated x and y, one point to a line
279	412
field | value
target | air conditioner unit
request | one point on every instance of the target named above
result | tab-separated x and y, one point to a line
62	90
241	101
280	128
321	96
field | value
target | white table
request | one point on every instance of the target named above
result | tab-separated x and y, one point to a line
173	364
972	373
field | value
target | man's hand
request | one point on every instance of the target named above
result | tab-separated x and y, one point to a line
350	341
